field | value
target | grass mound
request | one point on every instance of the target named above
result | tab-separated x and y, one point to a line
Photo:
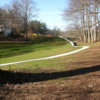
10	48
37	49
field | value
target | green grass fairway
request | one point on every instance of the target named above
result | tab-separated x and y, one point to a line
19	52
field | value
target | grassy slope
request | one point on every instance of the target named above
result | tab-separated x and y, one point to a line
84	85
56	64
60	83
18	52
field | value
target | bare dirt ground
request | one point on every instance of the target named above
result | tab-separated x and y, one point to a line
74	83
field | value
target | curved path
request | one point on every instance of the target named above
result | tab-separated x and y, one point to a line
51	57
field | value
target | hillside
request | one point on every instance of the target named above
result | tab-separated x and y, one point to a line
73	77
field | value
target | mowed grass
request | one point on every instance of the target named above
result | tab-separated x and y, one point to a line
81	59
19	52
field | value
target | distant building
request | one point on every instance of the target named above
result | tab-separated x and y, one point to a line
5	31
1	28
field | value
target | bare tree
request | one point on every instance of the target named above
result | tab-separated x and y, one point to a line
25	11
89	20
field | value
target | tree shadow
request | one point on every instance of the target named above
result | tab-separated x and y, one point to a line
20	78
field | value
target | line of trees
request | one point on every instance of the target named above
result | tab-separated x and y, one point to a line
84	16
19	17
37	27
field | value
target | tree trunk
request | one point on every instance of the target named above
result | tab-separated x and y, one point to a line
95	21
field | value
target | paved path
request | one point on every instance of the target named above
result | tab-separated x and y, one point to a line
51	57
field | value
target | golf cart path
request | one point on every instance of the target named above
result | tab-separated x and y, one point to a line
51	57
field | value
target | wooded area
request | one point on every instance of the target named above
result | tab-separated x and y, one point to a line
84	17
20	17
17	15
